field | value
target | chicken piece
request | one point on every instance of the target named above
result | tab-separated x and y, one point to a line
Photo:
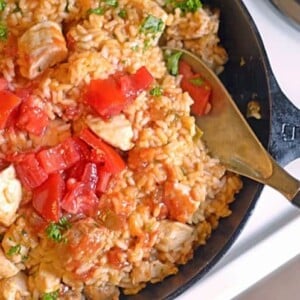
45	280
19	240
116	131
40	47
107	292
7	268
10	195
14	287
172	235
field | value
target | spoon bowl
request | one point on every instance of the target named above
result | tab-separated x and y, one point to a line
230	139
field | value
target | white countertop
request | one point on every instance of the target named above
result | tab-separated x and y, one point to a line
271	236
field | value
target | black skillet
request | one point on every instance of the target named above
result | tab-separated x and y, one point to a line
278	130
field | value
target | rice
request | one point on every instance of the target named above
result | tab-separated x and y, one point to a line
170	196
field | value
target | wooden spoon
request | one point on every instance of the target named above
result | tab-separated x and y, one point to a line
230	139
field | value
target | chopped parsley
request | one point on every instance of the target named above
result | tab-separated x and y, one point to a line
185	6
2	5
156	91
152	25
50	296
147	44
64	222
135	48
122	14
97	11
113	3
3	32
172	63
197	81
55	231
24	257
14	250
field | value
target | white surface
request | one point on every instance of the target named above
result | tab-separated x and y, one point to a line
270	238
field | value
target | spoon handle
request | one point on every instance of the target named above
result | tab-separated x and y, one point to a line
284	183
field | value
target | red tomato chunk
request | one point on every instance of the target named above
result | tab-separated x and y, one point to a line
60	157
47	198
80	199
8	103
196	86
3	84
105	97
103	181
30	172
108	97
69	176
32	119
112	160
90	176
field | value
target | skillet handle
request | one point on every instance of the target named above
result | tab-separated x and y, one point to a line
285	123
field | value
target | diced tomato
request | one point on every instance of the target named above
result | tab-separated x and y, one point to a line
103	180
141	80
113	161
8	103
30	172
60	157
77	170
105	97
3	84
83	148
199	92
126	85
47	197
32	119
185	69
131	85
97	156
80	200
108	97
70	151
90	176
51	160
24	93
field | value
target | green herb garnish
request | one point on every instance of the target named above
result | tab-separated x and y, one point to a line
113	3
14	250
185	6
2	5
172	63
55	231
64	223
97	11
50	296
135	48
196	81
152	25
156	91
3	32
122	14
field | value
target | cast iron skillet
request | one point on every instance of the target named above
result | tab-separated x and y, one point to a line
279	130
